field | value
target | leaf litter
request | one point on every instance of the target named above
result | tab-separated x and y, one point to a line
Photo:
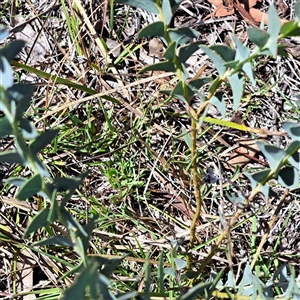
169	187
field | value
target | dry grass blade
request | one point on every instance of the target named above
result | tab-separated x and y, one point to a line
136	112
103	52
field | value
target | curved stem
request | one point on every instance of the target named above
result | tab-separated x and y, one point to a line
195	116
196	186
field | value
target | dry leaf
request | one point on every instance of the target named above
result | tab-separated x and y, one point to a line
25	266
114	47
34	40
223	11
247	147
259	15
245	14
249	16
186	211
156	47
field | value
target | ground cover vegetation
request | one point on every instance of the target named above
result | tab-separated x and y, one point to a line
149	150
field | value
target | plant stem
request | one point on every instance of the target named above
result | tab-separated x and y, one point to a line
196	185
195	117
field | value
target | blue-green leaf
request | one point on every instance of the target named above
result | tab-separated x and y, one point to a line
88	229
265	190
154	29
232	64
169	271
248	69
169	7
272	47
166	92
78	289
224	51
72	187
12	49
170	52
293	130
21	147
237	86
41	168
290	28
12	157
161	66
3	32
273	22
5	128
6	74
230	279
63	183
258	37
28	130
196	84
148	5
273	154
104	291
22	107
40	220
167	11
187	138
273	30
70	222
111	265
294	159
288	177
260	177
219	103
20	93
293	147
31	187
182	35
179	263
281	49
94	288
43	140
186	51
236	199
247	275
54	209
56	240
17	181
297	10
257	177
179	92
242	52
214	85
216	59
